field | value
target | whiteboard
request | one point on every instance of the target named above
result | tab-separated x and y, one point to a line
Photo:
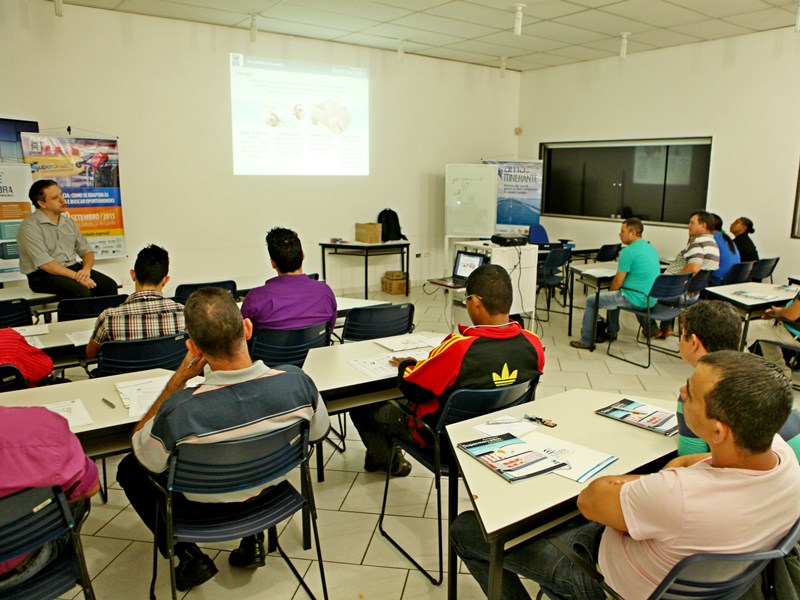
470	204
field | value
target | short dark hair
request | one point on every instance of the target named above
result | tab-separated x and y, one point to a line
493	284
715	323
285	249
705	218
152	265
214	322
752	396
635	224
748	224
36	192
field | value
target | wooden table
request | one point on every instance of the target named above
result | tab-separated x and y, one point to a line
511	513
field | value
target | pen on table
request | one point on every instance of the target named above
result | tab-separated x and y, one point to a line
545	422
109	402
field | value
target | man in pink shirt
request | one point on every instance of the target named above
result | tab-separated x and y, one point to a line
640	526
37	449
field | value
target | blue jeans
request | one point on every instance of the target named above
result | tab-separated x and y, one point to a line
610	300
538	560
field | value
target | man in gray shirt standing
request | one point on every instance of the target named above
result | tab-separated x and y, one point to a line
49	242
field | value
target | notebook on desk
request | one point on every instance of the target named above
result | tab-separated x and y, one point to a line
465	264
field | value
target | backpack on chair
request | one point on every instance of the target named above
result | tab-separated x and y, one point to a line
390	226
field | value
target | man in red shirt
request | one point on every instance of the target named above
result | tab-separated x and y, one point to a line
34	364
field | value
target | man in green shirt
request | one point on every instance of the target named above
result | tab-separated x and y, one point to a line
637	270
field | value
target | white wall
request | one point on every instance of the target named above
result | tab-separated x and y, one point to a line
744	92
162	86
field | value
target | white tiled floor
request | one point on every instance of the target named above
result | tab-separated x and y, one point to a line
359	562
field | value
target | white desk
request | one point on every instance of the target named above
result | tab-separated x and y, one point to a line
750	307
506	511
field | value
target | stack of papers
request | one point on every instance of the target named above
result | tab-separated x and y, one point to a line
410	341
79	338
32	330
378	367
755	295
599	272
73	411
138	396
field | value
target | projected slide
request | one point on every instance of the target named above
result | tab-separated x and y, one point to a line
294	118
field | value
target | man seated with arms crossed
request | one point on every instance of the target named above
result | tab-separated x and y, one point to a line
48	242
493	352
779	324
637	270
640	526
709	326
700	254
39	450
238	399
291	300
145	313
33	363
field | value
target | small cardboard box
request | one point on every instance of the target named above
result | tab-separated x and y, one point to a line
369	233
393	286
394	275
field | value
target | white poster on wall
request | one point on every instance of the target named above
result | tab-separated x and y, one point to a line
519	195
15	181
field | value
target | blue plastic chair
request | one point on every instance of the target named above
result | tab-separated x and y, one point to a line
71	309
183	291
763	269
128	356
371	322
28	520
461	405
608	253
537	234
552	275
15	313
288	346
707	576
232	466
669	291
739	273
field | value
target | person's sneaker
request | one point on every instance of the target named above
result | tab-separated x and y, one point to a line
250	554
194	569
580	345
662	334
400	466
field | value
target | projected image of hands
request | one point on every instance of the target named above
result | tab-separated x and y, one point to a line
291	118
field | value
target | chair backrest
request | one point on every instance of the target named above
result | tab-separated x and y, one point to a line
127	356
468	403
763	268
739	273
667	287
288	346
537	234
71	309
11	378
556	259
183	291
608	252
720	576
238	464
370	322
699	282
15	313
31	518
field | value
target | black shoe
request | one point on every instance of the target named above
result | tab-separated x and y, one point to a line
400	466
250	554
194	569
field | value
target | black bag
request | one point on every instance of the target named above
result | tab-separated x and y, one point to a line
602	331
390	226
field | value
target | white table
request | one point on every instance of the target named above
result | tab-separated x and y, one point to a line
514	512
750	307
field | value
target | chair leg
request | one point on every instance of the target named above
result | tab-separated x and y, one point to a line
313	511
86	581
384	533
340	435
104	487
155	563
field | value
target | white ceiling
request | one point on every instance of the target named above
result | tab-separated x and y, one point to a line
554	32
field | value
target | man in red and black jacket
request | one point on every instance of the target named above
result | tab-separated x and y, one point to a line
493	352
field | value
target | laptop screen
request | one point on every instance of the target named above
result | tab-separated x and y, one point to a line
466	263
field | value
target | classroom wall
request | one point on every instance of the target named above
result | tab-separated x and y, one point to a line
743	92
162	87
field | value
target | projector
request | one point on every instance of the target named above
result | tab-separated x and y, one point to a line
509	239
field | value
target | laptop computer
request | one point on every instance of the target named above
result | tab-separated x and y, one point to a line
465	263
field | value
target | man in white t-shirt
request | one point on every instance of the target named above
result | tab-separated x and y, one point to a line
640	526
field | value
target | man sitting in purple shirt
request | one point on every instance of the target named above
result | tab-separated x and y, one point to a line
291	300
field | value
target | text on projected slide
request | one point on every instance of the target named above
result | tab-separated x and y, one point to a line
295	118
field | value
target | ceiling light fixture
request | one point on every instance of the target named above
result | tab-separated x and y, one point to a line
623	45
518	18
59	8
253	28
797	18
503	67
401	52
